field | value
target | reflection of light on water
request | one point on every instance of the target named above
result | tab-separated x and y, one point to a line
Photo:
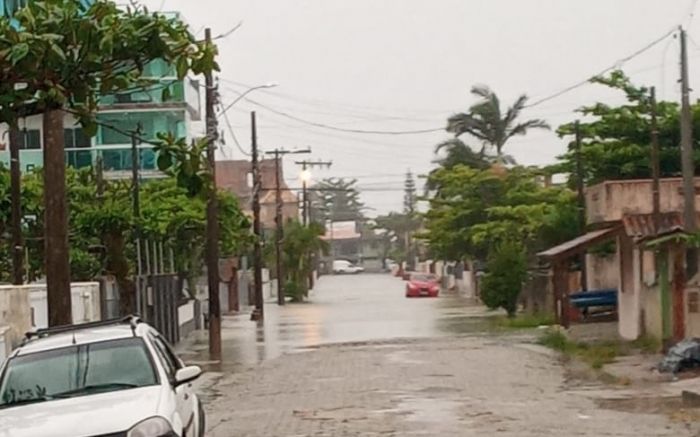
312	327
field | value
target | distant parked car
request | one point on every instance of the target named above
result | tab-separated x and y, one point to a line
343	267
422	285
116	378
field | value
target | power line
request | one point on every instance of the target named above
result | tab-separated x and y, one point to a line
339	129
616	65
233	135
345	106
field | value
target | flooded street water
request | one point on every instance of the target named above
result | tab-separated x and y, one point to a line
360	359
344	309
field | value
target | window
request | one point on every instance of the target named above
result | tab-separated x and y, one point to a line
694	302
76	139
30	139
152	122
166	355
77	371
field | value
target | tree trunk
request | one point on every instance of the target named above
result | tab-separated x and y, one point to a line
118	265
56	221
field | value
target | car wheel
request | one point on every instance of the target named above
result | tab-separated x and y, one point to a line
202	421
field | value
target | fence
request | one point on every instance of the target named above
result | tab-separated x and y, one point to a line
158	288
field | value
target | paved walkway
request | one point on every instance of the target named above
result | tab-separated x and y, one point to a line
466	386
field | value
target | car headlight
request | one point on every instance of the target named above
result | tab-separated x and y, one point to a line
153	427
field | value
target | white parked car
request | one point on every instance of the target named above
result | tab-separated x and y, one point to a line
341	266
105	379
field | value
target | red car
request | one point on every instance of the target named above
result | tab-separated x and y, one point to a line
422	285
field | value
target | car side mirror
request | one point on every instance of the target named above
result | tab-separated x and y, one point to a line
187	374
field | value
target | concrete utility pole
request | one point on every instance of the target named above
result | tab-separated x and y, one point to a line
305	165
581	189
279	238
690	216
135	190
655	165
212	252
259	312
16	201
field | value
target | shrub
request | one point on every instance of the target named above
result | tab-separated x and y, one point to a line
507	271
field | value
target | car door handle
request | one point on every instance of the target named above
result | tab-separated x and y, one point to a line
187	396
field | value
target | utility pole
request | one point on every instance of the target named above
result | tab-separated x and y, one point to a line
259	312
15	200
305	165
306	207
580	187
655	165
212	251
279	238
135	182
690	216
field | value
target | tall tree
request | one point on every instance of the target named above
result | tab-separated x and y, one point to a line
616	137
486	121
60	55
410	199
336	199
455	152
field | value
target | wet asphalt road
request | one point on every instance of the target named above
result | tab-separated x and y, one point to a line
344	309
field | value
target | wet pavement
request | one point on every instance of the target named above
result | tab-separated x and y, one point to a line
342	309
362	360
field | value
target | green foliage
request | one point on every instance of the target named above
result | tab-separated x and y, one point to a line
61	53
487	123
557	340
616	142
473	210
299	244
336	199
525	321
186	163
105	223
507	271
295	290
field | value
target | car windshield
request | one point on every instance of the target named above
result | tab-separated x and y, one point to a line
76	371
423	278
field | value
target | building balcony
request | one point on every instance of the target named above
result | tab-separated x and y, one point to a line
116	160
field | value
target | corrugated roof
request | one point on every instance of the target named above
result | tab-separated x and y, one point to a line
641	226
579	244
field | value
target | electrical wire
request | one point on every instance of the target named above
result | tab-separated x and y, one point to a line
616	65
233	135
339	129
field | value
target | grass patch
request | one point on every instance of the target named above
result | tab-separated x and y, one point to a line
646	345
525	321
596	355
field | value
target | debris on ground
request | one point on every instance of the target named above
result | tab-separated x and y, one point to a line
685	355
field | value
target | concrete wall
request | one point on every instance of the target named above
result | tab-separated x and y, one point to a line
602	271
609	201
628	294
15	313
85	303
5	344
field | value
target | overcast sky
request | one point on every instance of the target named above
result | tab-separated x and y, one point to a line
395	65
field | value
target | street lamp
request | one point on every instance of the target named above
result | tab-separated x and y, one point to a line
305	176
245	93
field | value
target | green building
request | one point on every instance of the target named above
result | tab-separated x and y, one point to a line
146	108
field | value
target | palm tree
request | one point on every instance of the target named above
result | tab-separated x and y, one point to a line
456	152
486	122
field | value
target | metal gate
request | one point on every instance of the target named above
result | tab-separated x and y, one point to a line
158	288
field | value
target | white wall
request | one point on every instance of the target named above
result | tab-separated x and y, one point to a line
85	303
